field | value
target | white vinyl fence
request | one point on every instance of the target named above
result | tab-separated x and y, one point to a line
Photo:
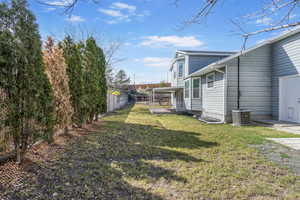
115	102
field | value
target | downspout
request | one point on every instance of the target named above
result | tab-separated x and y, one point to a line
191	94
238	83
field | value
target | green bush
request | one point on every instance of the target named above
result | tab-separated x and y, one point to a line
29	97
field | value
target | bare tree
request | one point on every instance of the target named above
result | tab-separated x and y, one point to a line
67	5
284	10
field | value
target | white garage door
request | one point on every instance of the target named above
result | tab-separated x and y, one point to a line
290	99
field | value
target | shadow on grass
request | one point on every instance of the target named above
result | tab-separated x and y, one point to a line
98	165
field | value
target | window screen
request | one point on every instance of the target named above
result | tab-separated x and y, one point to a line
210	79
180	70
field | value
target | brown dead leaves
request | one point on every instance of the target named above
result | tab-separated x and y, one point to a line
56	70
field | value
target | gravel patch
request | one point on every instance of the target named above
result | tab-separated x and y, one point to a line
282	155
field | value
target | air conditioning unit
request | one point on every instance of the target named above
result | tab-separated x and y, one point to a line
241	117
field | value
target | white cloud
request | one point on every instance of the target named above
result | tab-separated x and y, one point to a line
292	16
50	9
156	61
111	21
121	6
264	21
75	18
144	13
120	12
60	3
117	16
173	40
127	44
112	13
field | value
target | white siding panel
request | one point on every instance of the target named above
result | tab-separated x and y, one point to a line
196	104
213	98
285	61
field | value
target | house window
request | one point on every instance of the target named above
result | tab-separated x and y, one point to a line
196	88
187	89
210	79
180	69
174	75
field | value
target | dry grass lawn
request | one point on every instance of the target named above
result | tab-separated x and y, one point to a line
135	155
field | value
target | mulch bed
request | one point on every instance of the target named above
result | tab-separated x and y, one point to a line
12	174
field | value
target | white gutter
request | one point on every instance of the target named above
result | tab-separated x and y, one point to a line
209	68
208	53
217	70
174	60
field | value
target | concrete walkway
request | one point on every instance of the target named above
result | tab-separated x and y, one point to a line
281	126
293	143
161	111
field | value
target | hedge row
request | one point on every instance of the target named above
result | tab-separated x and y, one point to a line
46	89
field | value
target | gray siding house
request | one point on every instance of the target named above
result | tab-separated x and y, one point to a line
183	65
264	79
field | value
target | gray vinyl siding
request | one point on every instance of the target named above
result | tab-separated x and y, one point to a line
286	61
213	98
196	63
255	83
196	104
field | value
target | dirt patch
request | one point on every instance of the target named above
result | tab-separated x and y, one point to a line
282	155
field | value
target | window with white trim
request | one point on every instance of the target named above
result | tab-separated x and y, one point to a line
196	88
187	89
180	69
174	75
210	79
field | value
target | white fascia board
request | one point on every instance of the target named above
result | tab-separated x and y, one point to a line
174	60
209	68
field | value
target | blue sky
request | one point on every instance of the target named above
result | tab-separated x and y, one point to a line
148	29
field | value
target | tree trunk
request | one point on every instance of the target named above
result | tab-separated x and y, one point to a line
66	130
19	156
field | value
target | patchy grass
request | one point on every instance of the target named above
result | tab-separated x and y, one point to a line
136	155
284	155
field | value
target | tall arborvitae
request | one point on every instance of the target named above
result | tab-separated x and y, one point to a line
91	74
95	81
28	91
102	105
73	58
